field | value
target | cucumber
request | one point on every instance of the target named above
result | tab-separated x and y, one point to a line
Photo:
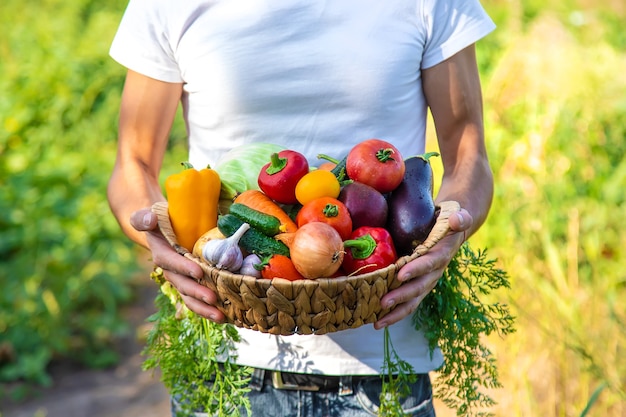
340	170
264	223
253	241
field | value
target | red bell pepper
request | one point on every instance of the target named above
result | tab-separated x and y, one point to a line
279	177
368	249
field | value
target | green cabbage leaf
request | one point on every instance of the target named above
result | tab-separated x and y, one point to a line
239	168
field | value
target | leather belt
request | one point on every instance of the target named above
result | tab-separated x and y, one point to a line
311	382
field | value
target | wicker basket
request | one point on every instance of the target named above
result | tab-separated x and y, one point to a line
319	306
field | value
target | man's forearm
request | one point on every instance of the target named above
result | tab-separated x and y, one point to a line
472	188
458	118
147	111
130	189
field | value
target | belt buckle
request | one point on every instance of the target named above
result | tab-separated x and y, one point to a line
278	383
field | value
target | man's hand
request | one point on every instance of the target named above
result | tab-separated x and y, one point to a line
420	276
181	272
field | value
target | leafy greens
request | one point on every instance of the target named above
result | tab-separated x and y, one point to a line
454	318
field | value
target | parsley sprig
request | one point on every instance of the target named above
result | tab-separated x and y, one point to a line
455	317
187	347
397	376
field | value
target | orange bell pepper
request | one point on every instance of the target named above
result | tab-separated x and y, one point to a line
192	198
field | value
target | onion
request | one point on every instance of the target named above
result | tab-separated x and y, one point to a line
316	250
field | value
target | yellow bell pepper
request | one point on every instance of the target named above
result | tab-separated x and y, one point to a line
192	198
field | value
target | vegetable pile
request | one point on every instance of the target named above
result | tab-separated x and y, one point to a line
343	217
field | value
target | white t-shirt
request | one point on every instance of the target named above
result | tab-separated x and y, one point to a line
313	76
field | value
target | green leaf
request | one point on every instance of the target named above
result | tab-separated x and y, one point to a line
454	317
186	348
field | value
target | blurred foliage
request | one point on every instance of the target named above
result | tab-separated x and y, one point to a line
65	267
555	115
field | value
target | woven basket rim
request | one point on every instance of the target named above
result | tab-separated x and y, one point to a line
438	232
237	294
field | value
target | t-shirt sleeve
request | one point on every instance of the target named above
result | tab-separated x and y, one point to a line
452	26
142	43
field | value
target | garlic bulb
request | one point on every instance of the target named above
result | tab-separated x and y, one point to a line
248	266
225	253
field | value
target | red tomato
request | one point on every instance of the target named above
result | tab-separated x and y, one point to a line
327	210
376	163
280	266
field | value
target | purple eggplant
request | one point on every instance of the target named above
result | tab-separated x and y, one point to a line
411	213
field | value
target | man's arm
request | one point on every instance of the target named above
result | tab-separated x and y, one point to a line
147	112
453	93
143	134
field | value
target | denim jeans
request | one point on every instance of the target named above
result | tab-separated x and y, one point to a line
360	400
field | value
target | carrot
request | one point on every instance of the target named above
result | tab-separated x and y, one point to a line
280	266
259	201
327	166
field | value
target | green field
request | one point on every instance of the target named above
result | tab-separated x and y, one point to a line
555	116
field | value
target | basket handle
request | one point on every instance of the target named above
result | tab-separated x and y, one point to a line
160	208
